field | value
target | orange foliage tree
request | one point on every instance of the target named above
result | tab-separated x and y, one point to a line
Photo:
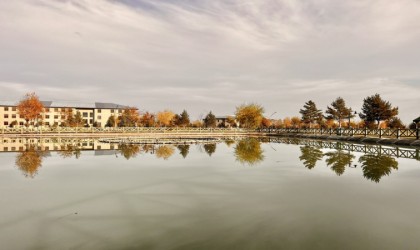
30	108
29	161
165	118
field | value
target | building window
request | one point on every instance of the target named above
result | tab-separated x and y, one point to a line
6	123
14	109
91	120
13	116
6	108
91	114
47	123
56	109
21	123
99	117
63	110
85	114
112	111
47	110
47	117
6	116
99	110
56	117
120	111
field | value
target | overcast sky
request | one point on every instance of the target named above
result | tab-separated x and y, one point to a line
207	55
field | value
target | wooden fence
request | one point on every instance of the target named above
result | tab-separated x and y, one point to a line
388	133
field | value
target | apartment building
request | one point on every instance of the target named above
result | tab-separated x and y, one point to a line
54	113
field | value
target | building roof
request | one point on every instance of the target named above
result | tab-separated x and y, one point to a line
417	119
52	104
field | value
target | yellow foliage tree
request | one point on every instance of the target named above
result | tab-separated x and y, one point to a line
165	118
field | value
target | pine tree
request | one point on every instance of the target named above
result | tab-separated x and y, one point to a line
338	111
376	109
184	119
310	113
210	120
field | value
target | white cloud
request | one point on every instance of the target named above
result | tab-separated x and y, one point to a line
212	54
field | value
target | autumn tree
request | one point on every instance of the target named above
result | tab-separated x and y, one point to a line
287	122
30	108
129	118
375	109
310	113
249	116
395	122
266	123
148	120
210	120
338	111
295	122
165	118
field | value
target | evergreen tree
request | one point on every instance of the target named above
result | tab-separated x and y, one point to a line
376	109
310	113
78	120
111	121
184	119
210	120
184	149
338	111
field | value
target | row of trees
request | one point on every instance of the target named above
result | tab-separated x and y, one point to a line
375	111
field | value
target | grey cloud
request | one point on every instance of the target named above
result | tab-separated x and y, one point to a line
202	55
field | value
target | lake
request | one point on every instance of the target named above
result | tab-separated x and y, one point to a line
247	193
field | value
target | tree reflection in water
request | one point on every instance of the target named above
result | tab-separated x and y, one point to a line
339	160
229	142
70	150
165	151
249	151
29	161
376	166
310	155
129	150
184	149
210	148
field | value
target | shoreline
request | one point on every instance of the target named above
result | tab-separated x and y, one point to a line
190	135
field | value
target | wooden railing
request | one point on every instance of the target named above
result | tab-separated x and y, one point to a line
389	133
120	130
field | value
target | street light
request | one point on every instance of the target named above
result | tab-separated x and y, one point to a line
351	115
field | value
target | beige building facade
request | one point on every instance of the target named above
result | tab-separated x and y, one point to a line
54	113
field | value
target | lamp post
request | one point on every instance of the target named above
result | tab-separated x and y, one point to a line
351	115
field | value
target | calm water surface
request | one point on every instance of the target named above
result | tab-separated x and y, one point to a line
245	194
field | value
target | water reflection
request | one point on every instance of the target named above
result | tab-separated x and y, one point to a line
71	150
376	166
210	148
165	151
29	161
310	156
338	161
375	161
129	150
249	151
184	149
